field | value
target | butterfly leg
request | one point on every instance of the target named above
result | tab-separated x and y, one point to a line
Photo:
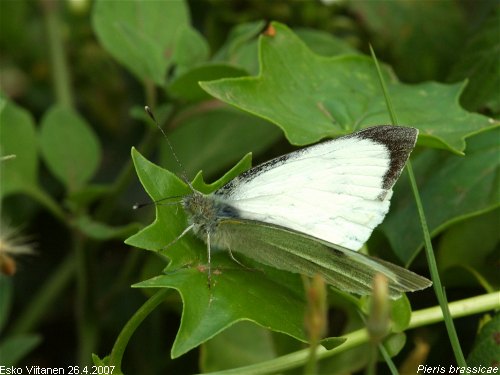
208	258
179	237
236	260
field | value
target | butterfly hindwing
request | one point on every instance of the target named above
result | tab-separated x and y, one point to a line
285	249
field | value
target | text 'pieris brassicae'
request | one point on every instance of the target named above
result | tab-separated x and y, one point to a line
309	211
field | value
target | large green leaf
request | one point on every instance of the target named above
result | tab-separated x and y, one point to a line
18	137
69	147
240	48
237	294
421	37
452	188
190	48
141	34
272	299
311	97
459	265
478	62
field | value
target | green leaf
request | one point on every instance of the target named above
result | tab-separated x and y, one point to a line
237	294
272	299
243	344
421	38
102	231
478	61
394	343
400	314
18	138
212	141
311	97
240	48
456	260
332	342
159	184
69	147
186	86
14	348
324	43
190	48
486	350
453	188
140	35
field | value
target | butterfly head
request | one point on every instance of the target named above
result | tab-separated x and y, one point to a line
206	211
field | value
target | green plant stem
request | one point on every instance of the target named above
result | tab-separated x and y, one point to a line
372	359
429	251
431	260
59	70
86	327
419	318
458	309
46	297
388	359
116	355
105	209
46	201
311	364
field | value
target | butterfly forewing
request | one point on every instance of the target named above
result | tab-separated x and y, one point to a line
337	191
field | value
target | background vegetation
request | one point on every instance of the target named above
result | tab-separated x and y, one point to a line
74	78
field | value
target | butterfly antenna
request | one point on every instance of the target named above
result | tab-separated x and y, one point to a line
184	176
136	206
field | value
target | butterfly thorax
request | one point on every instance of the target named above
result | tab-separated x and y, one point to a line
205	212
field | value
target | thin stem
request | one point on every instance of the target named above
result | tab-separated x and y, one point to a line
128	330
47	294
86	327
388	359
59	69
429	251
431	260
458	309
105	209
46	201
372	359
311	364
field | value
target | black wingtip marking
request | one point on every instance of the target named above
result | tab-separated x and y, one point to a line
400	142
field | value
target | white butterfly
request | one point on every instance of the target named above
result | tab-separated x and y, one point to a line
310	210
